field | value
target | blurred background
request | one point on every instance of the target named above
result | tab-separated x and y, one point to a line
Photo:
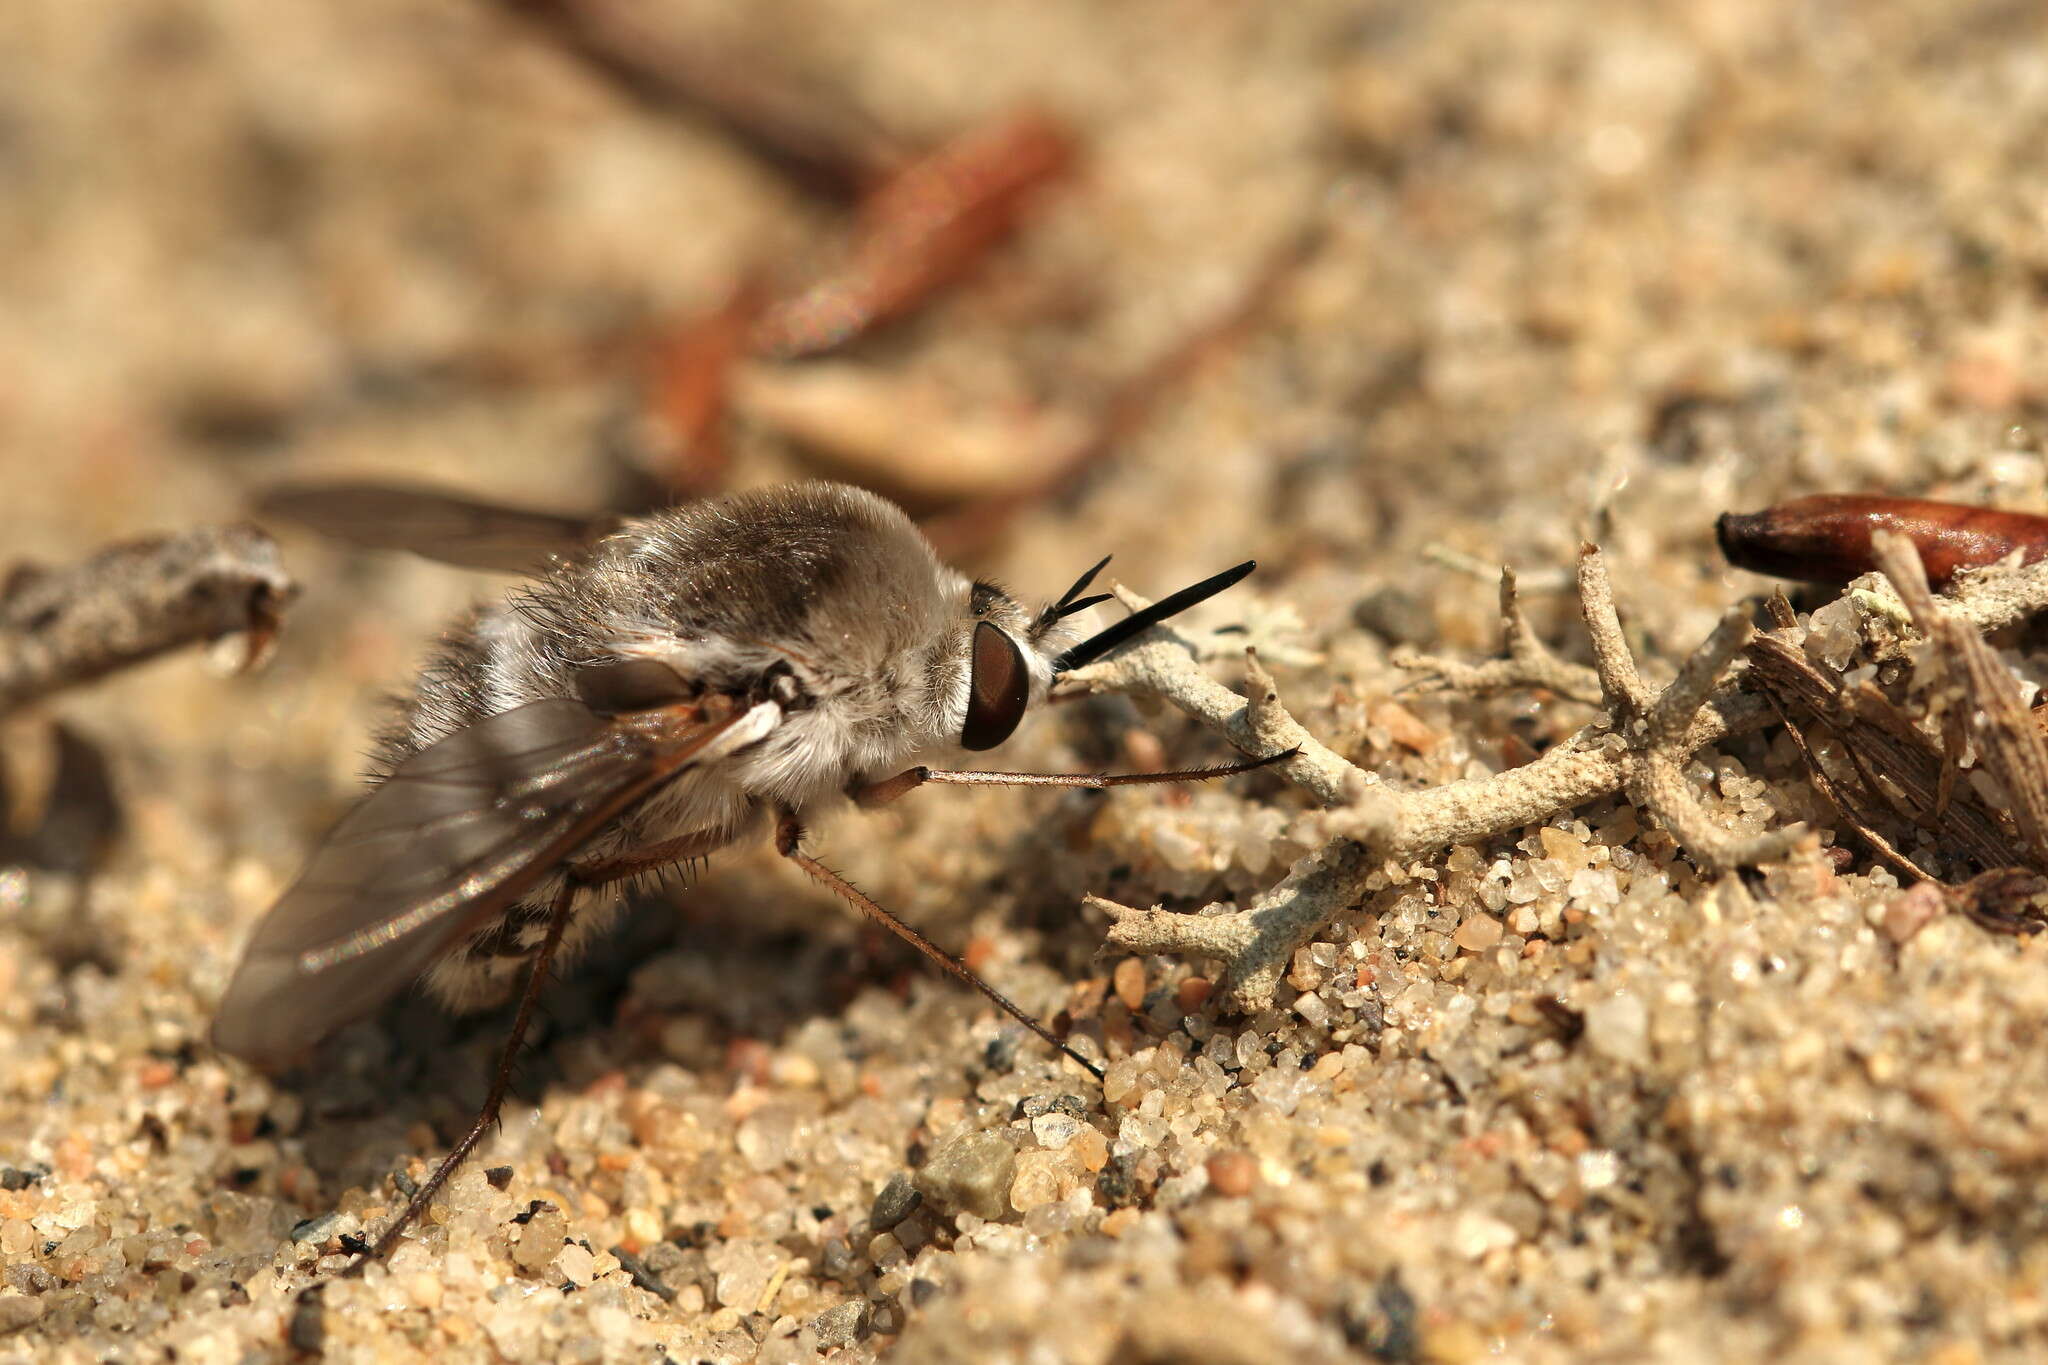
1363	290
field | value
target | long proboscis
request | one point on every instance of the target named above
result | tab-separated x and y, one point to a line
1138	622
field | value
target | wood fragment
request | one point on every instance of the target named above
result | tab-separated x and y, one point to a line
1879	740
1987	697
133	601
1133	402
824	145
921	230
1526	661
1372	831
680	440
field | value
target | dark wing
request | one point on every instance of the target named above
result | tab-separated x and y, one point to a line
458	831
439	526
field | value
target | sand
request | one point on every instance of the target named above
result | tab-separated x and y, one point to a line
1558	1097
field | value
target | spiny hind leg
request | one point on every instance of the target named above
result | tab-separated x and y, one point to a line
649	857
559	914
485	968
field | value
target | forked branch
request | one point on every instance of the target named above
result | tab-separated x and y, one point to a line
1369	829
1639	747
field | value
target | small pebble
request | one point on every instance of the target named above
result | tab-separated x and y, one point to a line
1193	993
1090	1148
1912	910
425	1289
1129	982
18	1311
1032	1106
895	1202
1056	1130
1116	1223
1453	1343
307	1331
743	1270
1232	1173
971	1175
540	1239
315	1229
1396	615
1404	727
1478	933
1474	1234
843	1324
835	1261
575	1264
1042	1178
1619	1027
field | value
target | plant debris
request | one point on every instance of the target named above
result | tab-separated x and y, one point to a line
134	601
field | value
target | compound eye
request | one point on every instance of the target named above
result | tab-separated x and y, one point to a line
998	689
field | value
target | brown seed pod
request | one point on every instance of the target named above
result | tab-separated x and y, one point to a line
1825	537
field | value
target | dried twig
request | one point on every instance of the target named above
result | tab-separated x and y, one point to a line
823	144
1130	404
921	229
1639	747
1371	830
1897	765
1472	566
134	601
1851	813
1528	662
1979	693
1658	782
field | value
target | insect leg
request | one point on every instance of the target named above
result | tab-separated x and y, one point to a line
605	871
889	788
487	1117
789	834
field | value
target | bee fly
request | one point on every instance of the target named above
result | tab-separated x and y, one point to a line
691	679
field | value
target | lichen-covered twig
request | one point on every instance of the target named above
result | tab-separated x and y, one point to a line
1527	661
1639	748
1656	779
1369	829
134	601
1254	944
1621	686
1161	663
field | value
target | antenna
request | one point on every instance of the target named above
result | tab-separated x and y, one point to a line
1099	644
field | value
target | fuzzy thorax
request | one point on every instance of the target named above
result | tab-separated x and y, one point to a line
821	598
